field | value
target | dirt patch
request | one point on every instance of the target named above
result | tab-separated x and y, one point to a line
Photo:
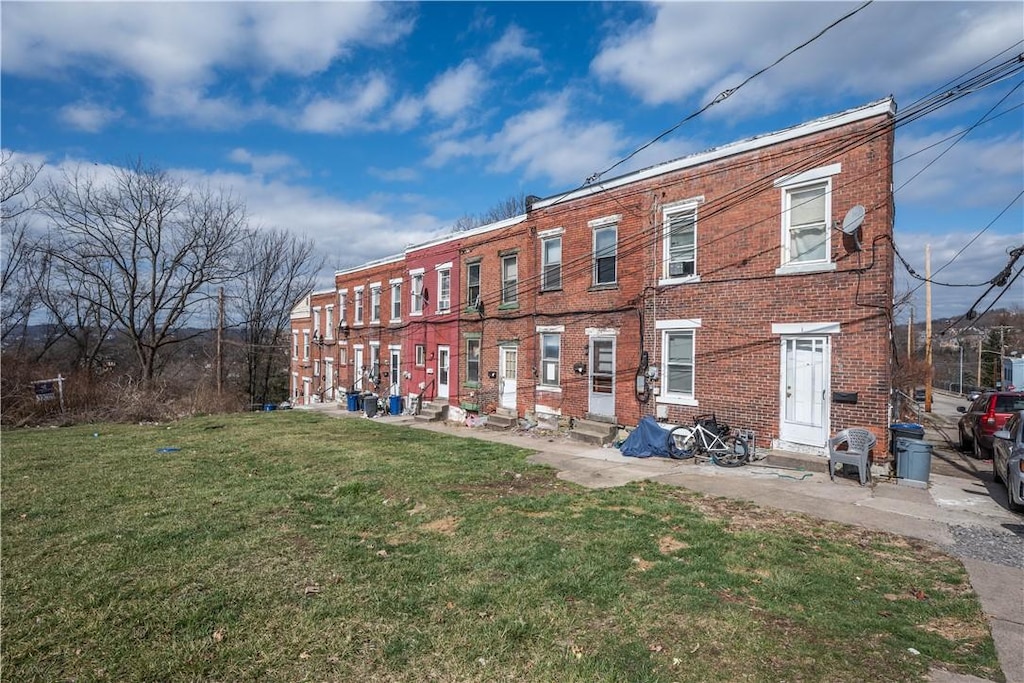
641	564
668	545
956	630
531	483
444	525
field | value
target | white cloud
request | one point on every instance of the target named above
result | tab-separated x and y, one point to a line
512	46
456	90
88	116
403	174
263	164
327	115
689	50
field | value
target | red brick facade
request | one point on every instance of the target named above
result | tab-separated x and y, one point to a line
719	282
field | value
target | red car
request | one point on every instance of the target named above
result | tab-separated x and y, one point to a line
986	416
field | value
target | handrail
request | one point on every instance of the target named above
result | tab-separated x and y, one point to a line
419	396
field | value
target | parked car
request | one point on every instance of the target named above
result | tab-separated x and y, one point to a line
973	396
919	394
1008	460
986	415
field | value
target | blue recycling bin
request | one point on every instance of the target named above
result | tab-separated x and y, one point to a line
267	407
353	401
395	404
904	430
913	460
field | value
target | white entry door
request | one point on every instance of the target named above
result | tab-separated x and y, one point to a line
395	368
508	363
602	376
443	366
805	382
358	370
329	379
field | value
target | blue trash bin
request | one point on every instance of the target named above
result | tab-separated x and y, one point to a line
353	401
905	430
395	404
267	407
913	461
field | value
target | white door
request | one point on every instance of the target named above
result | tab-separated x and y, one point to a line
395	368
306	393
602	376
805	381
357	371
443	366
508	364
329	379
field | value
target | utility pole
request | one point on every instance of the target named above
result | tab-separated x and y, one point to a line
220	338
928	327
910	336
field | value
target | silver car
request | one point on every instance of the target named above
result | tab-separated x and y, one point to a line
1008	459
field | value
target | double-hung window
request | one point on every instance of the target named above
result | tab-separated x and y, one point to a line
396	300
806	220
550	356
375	303
416	292
330	322
551	260
606	236
305	345
358	315
473	360
444	289
680	241
678	361
473	285
421	355
342	302
510	279
295	345
316	322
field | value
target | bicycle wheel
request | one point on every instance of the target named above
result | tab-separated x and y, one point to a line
734	454
681	443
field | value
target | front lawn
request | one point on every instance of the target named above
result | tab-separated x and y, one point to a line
294	546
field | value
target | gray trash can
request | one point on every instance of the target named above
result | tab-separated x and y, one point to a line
370	405
906	430
913	462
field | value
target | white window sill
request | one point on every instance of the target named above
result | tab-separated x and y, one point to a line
678	400
801	268
547	389
394	320
416	314
668	281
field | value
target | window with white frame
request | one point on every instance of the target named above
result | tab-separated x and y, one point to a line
677	361
550	355
805	223
330	322
375	362
551	263
421	355
343	356
416	293
316	368
510	279
444	290
396	300
680	242
295	345
473	285
473	360
316	322
375	303
605	251
342	301
357	316
305	344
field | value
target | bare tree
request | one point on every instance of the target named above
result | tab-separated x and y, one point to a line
20	256
143	249
511	206
276	269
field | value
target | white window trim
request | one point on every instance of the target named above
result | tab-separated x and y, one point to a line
552	329
375	288
805	328
415	298
316	319
544	237
342	301
447	306
554	232
503	259
305	344
605	221
811	176
541	384
670	210
330	321
359	304
417	271
788	184
391	308
396	281
443	266
679	324
295	344
601	224
601	332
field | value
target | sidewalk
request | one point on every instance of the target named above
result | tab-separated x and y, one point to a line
928	514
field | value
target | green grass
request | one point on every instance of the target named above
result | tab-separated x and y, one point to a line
292	546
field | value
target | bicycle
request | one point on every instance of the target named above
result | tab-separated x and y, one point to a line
708	438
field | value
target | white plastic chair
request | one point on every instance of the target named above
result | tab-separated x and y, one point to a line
859	443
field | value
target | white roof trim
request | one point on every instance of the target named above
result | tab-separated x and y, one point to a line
886	106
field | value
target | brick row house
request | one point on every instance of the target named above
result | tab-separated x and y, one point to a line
753	280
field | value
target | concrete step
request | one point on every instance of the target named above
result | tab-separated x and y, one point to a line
593	432
433	412
502	419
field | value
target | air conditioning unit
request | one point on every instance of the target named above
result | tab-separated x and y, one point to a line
680	269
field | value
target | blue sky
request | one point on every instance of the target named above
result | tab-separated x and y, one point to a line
376	125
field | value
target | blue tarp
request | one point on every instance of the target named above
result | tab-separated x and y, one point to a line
649	438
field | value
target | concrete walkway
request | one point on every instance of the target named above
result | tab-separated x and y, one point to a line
927	514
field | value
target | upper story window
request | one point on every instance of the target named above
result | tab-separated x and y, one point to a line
806	220
305	344
551	262
358	315
510	279
416	293
329	323
396	300
473	285
375	303
295	345
605	251
342	302
316	321
444	290
680	241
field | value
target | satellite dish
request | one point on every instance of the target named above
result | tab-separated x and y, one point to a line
853	220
